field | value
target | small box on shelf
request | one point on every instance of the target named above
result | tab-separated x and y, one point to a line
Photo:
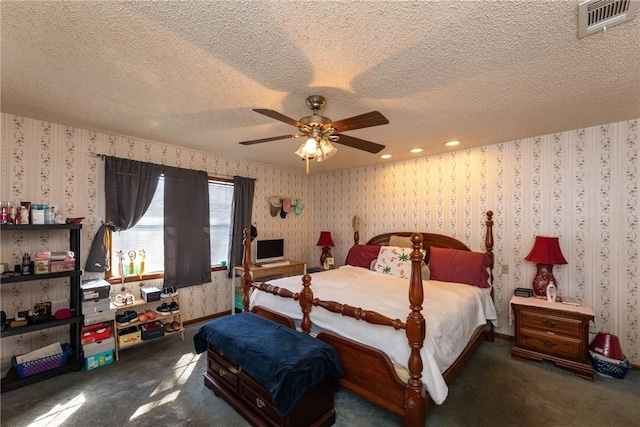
150	294
96	306
95	333
98	353
152	330
98	360
129	336
95	289
41	266
57	266
100	316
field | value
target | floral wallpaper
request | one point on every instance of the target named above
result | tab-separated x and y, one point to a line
51	163
580	185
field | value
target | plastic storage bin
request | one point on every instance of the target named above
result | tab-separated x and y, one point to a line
42	365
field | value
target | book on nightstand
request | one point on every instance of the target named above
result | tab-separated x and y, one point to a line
569	301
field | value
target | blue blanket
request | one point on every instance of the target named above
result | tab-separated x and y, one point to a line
286	362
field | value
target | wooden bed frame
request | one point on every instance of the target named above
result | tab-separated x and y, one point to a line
368	371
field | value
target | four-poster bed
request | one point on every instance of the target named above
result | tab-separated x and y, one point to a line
393	377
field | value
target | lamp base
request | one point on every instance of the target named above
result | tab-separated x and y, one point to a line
544	276
325	254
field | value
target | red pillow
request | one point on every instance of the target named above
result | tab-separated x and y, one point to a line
362	255
453	265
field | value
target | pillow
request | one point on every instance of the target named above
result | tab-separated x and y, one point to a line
454	265
400	241
362	255
426	272
394	260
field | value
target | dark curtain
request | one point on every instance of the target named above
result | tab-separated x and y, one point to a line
187	250
129	189
241	211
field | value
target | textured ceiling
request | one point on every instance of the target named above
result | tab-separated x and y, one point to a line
190	73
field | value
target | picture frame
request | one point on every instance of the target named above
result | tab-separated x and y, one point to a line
329	263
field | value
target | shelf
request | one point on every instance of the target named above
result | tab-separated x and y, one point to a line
40	325
74	360
8	227
139	302
33	277
12	381
137	323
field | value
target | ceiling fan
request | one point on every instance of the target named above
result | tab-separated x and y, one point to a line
320	131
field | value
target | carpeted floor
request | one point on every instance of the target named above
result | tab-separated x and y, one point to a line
160	383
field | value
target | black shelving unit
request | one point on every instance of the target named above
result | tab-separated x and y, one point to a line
11	380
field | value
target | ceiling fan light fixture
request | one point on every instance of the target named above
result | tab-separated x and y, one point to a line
316	149
319	131
325	150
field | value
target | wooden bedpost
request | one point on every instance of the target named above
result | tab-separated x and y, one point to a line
415	395
305	300
488	241
246	278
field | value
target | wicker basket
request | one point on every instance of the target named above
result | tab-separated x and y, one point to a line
44	364
609	367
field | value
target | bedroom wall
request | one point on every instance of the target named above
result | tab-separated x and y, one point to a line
580	185
52	163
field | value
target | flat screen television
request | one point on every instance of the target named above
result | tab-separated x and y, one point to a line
269	251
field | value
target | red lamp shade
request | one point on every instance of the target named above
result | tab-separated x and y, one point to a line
325	241
546	250
545	253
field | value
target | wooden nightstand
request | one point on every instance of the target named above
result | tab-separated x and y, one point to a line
553	331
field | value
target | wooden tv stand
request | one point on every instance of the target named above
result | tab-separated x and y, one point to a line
294	268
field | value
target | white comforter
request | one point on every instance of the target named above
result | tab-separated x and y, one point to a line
452	313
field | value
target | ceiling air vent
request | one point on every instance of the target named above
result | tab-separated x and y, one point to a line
596	15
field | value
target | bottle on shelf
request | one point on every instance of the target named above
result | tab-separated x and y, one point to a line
26	264
24	215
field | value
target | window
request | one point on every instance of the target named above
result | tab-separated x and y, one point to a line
145	241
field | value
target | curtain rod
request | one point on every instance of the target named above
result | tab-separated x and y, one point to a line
102	157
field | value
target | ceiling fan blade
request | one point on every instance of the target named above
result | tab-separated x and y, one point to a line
374	118
278	116
358	143
273	138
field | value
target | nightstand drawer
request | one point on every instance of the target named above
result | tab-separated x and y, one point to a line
552	344
547	322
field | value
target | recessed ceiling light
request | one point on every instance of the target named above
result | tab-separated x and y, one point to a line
417	150
385	156
452	143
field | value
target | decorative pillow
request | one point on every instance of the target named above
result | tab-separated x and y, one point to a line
454	265
362	255
394	260
400	241
426	272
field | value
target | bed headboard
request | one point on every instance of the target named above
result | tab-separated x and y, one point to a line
428	240
442	241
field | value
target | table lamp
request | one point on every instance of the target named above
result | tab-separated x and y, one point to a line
325	241
545	253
